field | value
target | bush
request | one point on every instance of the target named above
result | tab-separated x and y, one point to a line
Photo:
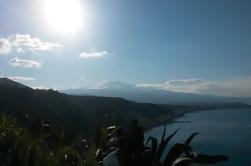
19	148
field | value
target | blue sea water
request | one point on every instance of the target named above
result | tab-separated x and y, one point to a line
226	132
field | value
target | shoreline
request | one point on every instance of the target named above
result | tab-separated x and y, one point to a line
167	120
171	119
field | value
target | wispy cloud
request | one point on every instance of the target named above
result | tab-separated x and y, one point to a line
92	54
18	78
22	43
26	42
16	62
179	85
5	46
40	87
237	86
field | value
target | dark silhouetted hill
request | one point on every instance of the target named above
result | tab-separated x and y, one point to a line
76	114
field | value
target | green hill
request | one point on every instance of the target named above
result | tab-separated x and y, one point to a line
73	114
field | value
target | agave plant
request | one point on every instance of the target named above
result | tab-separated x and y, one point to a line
132	151
156	150
180	154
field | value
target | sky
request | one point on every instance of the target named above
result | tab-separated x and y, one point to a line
199	46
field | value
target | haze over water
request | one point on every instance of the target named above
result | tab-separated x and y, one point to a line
224	132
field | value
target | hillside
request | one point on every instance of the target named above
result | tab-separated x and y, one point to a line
74	114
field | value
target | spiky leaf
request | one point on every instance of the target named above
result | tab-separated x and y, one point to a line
163	145
174	153
190	138
154	144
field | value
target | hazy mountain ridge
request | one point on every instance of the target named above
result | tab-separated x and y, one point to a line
152	95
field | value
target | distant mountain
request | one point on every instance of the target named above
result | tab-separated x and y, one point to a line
152	95
116	85
74	114
81	115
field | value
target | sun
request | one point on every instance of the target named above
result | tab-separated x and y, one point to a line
65	16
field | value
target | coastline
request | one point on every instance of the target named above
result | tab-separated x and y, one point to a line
169	119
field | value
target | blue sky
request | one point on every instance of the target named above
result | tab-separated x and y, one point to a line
137	41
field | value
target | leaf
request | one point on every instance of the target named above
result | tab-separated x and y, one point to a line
190	138
115	130
182	161
174	153
164	133
154	143
163	145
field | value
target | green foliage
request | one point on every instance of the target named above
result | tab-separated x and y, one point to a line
90	159
101	137
19	148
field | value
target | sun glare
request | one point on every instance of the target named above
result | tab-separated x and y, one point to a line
65	16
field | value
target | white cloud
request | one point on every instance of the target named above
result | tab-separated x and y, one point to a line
40	87
237	86
22	43
19	78
92	54
26	42
16	62
180	85
5	46
20	50
184	81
